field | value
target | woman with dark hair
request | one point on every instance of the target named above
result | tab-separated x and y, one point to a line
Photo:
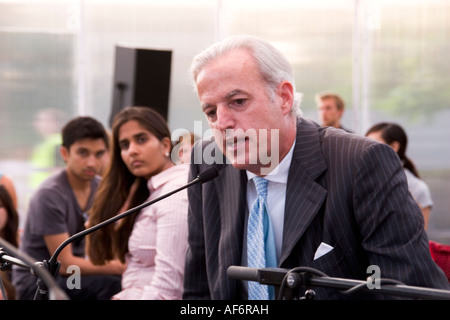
9	224
10	187
153	242
395	136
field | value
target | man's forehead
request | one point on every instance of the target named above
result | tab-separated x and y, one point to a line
88	144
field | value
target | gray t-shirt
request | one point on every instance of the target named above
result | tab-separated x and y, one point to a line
53	209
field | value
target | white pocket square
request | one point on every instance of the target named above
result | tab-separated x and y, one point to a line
322	250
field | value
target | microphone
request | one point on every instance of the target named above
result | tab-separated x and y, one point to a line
53	265
206	175
306	277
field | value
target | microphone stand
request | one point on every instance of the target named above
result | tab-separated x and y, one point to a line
23	260
305	277
53	265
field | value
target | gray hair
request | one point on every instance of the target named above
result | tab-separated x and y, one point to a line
273	65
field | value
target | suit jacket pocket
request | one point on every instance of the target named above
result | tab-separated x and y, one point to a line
329	260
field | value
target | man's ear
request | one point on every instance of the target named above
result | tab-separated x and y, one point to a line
64	153
286	92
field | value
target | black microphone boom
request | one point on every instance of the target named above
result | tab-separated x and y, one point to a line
202	177
307	277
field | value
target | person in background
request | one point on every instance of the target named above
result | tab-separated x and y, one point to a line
185	143
330	108
9	185
9	224
45	158
395	136
153	241
58	210
324	199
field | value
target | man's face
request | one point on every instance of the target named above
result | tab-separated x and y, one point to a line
329	114
85	158
246	122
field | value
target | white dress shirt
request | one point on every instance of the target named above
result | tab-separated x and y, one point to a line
276	196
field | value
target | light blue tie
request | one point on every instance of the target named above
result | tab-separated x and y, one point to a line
260	241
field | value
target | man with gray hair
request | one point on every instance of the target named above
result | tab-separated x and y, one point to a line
328	200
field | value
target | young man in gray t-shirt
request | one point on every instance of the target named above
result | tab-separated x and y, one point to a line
58	210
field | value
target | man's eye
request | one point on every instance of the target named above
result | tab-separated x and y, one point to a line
83	153
99	154
210	114
238	102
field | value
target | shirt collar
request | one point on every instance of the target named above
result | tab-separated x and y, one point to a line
281	172
163	177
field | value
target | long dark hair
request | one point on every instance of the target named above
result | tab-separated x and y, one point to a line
391	132
111	242
9	233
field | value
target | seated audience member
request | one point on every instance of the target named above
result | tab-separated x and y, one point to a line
9	223
57	211
152	242
9	185
395	136
185	143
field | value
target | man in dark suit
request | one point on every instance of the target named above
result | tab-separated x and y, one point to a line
337	202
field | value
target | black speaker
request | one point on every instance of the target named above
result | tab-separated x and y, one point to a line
141	78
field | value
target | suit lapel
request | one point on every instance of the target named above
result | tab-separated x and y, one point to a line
232	200
304	196
232	204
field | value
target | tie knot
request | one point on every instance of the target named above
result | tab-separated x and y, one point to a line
261	186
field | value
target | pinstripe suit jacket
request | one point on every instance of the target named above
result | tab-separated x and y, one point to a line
344	190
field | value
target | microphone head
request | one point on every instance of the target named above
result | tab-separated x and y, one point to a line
207	174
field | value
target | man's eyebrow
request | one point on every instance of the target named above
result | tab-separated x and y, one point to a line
206	106
232	93
224	98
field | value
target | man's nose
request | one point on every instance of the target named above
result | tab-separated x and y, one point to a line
92	160
225	118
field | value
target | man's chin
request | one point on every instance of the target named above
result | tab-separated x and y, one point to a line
254	168
239	163
88	177
258	169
